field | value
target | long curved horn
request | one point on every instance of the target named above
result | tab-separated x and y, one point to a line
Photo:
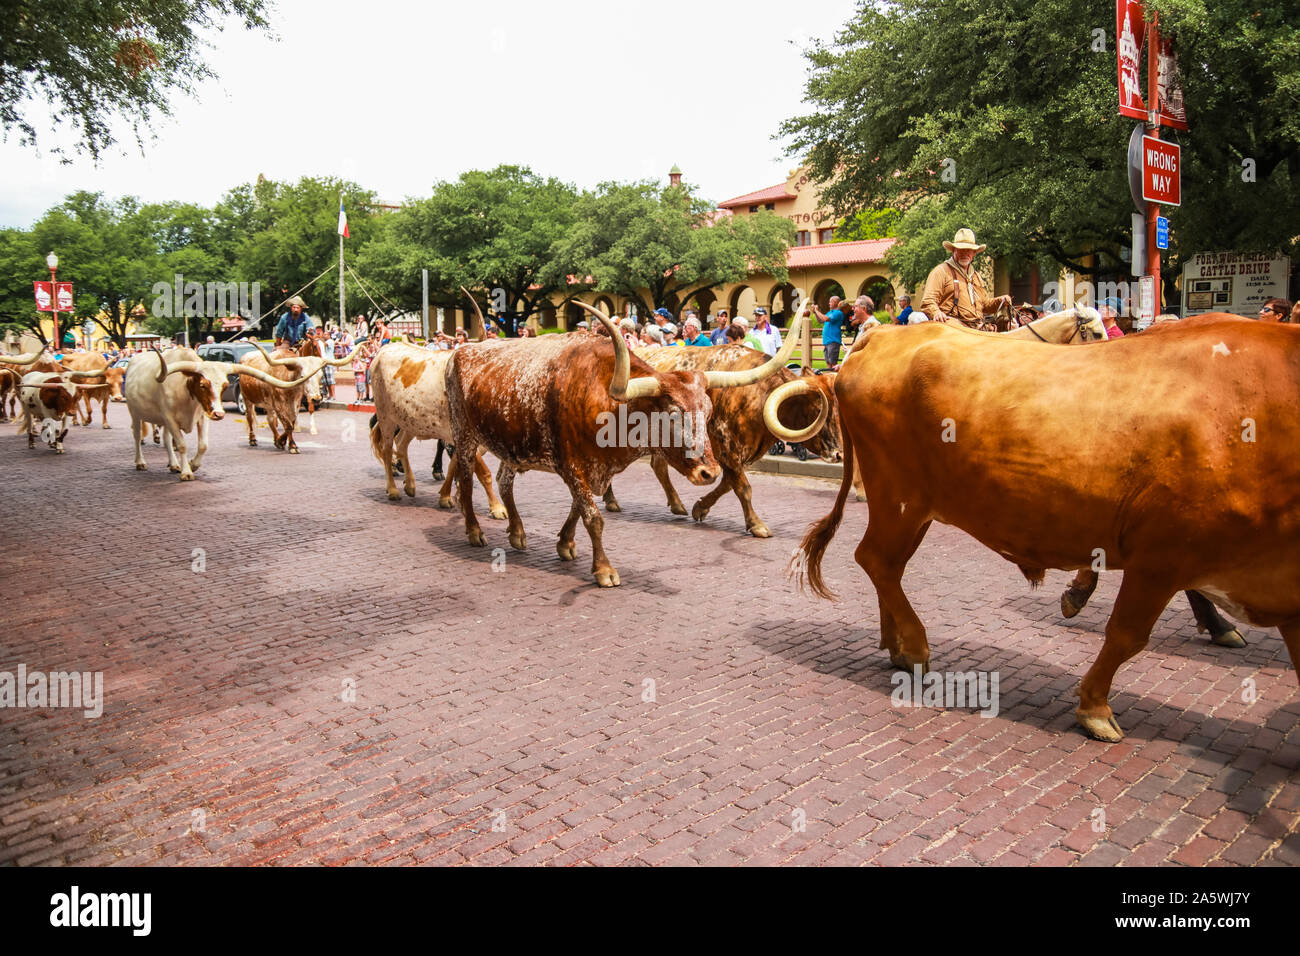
272	360
752	375
345	359
474	302
27	358
87	373
162	364
772	408
237	368
622	387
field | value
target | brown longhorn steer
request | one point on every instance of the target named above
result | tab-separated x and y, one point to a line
1046	455
105	387
280	404
551	404
743	425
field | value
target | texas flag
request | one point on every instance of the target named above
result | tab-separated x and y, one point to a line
343	222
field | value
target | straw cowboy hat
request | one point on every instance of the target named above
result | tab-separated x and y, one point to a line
297	300
965	239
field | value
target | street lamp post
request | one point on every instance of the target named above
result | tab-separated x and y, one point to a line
53	262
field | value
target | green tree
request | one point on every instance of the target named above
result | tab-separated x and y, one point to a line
638	238
96	62
290	236
1007	115
485	231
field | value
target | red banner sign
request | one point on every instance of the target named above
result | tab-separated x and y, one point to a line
45	296
1161	175
1130	40
1169	87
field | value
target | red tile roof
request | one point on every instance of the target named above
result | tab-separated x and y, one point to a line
769	194
838	253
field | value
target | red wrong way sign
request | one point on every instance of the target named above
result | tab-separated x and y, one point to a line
1161	172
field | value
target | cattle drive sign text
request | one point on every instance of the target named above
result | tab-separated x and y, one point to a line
1161	178
1233	282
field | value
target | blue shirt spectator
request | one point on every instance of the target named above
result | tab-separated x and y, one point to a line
905	316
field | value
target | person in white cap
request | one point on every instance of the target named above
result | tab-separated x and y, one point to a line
954	291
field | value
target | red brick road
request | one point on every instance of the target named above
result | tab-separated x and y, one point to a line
506	717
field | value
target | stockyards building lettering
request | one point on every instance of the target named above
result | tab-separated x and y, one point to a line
1237	282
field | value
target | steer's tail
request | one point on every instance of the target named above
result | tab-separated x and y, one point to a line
376	441
806	565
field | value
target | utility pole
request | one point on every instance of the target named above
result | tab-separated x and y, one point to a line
424	285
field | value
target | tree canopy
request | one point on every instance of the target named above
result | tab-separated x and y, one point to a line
639	236
95	62
1004	118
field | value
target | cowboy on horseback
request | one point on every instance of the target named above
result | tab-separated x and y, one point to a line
295	325
954	291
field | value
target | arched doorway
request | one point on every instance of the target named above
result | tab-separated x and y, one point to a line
573	314
823	291
781	303
742	301
880	289
702	302
604	304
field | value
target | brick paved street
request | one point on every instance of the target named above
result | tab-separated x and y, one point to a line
501	717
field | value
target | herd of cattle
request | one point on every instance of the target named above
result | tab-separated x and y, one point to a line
1170	456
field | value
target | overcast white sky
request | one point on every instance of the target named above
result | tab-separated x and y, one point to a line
397	96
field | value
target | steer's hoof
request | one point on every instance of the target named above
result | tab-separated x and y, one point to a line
293	450
699	513
519	540
252	443
409	489
567	550
903	662
445	502
677	508
394	495
857	496
107	425
1100	728
187	476
613	505
607	578
476	538
1069	607
498	512
1230	638
194	466
174	469
141	467
759	530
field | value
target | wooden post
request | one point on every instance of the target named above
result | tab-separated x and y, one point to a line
805	344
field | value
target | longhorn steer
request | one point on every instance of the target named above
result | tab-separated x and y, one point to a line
1053	453
102	388
410	389
50	398
744	423
178	392
539	404
280	403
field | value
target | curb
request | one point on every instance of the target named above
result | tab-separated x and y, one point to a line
788	465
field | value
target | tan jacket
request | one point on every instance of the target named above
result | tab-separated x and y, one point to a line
959	294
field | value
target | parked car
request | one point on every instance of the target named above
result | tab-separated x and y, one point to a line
229	352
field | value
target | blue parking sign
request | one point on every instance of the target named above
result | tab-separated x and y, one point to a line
1162	232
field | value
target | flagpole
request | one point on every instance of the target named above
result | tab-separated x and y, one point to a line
342	313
